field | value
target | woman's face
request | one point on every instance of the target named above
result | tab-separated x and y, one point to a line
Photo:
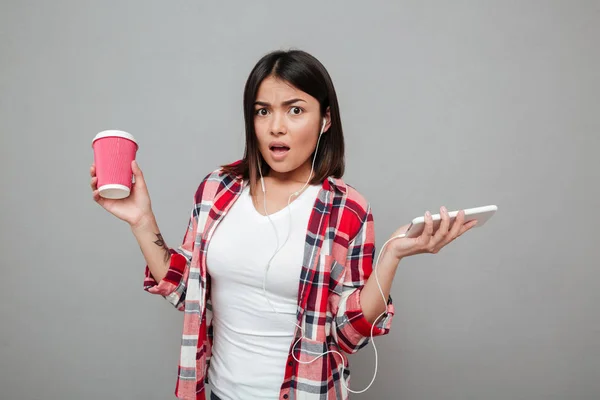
287	122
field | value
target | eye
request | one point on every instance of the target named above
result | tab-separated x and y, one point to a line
261	111
296	110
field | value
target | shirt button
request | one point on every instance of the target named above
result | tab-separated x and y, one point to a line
285	396
290	364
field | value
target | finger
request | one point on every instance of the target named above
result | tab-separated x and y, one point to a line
138	175
458	223
93	170
461	218
467	226
427	230
94	183
97	198
444	225
136	169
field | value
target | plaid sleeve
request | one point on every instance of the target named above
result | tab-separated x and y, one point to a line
173	286
352	329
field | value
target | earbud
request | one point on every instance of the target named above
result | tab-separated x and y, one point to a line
324	123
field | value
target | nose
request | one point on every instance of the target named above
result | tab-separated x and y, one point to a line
278	124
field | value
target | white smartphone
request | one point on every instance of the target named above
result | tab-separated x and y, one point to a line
481	214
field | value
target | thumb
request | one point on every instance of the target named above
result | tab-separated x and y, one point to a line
136	169
137	172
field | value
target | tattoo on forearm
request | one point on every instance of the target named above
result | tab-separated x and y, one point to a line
161	243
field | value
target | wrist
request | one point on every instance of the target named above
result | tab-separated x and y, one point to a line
145	222
391	258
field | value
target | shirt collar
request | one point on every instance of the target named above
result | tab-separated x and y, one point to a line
336	183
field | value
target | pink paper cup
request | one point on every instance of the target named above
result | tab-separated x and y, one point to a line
113	153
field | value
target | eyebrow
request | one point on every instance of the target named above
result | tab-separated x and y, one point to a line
285	103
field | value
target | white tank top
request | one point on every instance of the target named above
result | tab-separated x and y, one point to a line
251	342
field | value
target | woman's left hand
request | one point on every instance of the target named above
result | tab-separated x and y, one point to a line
428	242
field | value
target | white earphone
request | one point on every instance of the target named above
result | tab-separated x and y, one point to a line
297	193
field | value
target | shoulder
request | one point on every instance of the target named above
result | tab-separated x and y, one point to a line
214	182
354	208
352	199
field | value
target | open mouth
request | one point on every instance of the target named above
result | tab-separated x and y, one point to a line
279	149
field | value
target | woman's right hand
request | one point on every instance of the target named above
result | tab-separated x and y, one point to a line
134	209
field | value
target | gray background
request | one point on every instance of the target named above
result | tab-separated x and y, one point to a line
444	103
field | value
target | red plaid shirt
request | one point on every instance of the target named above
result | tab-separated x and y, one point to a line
339	251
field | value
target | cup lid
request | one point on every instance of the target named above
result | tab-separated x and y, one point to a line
115	133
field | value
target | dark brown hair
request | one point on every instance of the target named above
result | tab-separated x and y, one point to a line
306	73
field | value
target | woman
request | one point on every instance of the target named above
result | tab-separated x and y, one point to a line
274	272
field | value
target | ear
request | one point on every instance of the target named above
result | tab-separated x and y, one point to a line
327	117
